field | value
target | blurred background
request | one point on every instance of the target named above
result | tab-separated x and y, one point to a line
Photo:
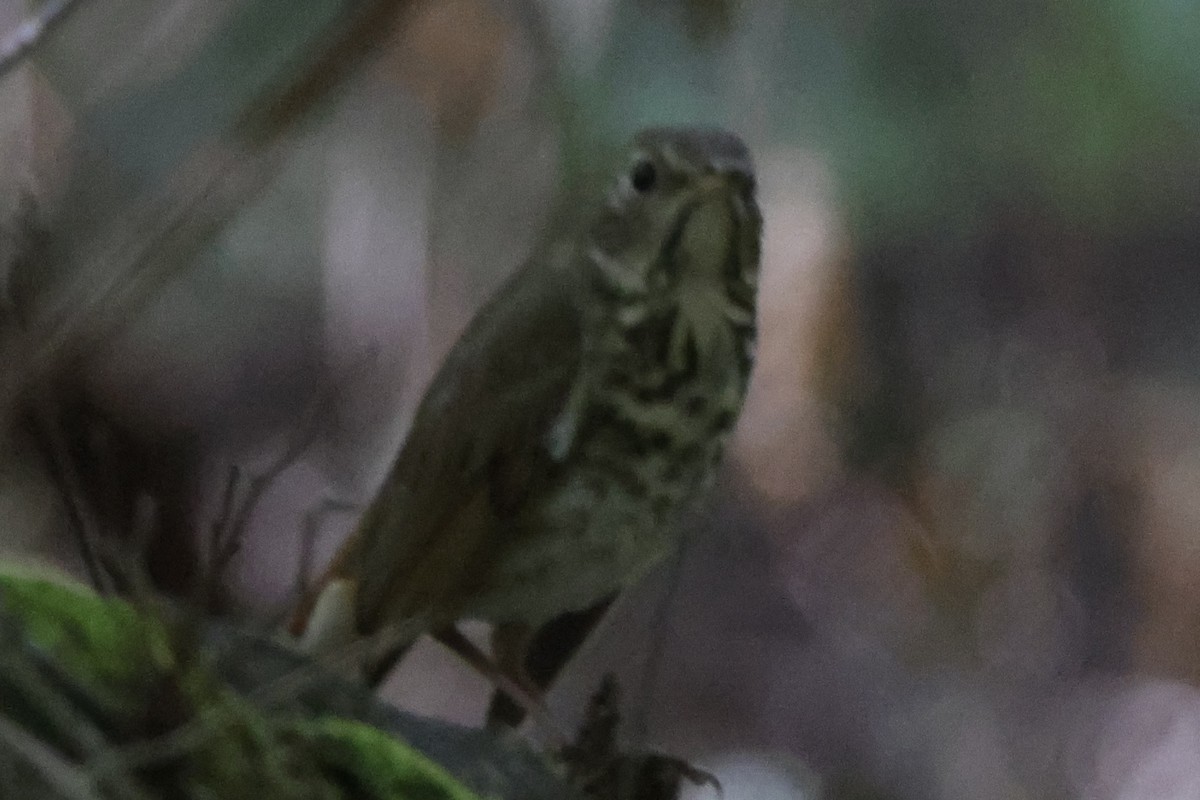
955	550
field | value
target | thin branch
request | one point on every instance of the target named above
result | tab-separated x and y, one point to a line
233	519
310	529
45	412
25	37
83	523
143	526
223	528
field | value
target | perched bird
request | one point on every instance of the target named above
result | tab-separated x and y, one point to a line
582	412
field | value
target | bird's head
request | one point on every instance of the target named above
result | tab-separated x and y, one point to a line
675	246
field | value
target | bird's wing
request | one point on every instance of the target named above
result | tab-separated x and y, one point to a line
480	443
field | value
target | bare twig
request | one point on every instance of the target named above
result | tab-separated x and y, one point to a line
143	525
25	37
310	529
224	535
235	512
233	520
83	522
26	240
229	529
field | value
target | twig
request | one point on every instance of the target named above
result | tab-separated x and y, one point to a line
229	529
222	546
233	519
83	523
26	36
144	521
309	530
45	412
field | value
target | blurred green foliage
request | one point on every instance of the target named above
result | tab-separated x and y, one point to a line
933	110
119	695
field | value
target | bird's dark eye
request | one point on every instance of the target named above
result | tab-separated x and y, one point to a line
644	176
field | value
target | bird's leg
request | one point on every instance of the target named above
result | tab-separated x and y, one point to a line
544	653
510	647
522	692
376	669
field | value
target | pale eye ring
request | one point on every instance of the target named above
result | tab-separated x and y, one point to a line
643	176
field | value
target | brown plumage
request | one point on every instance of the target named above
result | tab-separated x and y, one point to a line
581	412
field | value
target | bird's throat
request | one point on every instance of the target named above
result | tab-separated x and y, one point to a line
703	248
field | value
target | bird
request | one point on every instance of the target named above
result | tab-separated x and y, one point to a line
574	424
